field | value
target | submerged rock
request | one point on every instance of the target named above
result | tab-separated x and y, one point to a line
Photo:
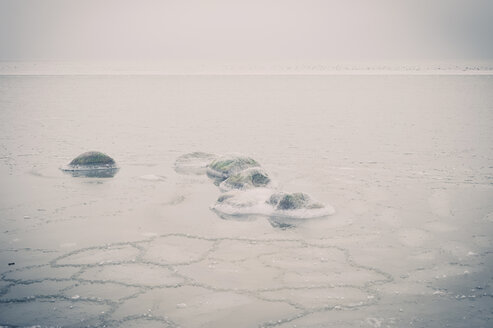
92	164
248	190
250	178
193	163
294	201
226	166
262	201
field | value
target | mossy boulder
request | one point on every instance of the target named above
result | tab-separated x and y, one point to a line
226	166
92	158
250	178
92	164
293	201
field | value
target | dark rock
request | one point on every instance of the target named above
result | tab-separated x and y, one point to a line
294	201
93	173
92	164
249	178
223	167
92	158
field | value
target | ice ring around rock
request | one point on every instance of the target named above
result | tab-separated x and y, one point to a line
92	164
265	202
254	177
248	191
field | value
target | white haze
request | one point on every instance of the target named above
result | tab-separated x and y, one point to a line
403	162
219	31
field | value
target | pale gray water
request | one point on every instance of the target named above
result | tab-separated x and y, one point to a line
406	161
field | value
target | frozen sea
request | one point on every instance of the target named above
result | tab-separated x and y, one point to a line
405	161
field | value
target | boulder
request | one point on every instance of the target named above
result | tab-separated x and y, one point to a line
281	207
92	158
250	178
225	166
92	164
293	201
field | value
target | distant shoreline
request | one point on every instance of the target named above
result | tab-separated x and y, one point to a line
348	73
185	69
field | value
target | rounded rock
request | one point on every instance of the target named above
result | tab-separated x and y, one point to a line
250	178
293	201
92	164
92	158
226	166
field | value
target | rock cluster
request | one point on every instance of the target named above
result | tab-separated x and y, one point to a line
248	189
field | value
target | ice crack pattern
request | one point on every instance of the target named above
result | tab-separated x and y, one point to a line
405	160
265	282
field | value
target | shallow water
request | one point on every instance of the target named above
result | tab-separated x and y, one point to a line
406	161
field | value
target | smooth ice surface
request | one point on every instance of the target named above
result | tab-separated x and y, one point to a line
132	275
193	163
100	255
52	312
186	305
406	161
176	250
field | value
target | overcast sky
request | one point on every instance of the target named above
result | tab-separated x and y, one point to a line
249	30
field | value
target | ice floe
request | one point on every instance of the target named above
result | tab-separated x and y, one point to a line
266	202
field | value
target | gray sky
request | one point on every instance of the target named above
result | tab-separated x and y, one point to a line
248	30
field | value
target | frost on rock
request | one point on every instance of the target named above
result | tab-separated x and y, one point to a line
298	206
248	190
294	201
250	178
263	201
92	164
194	163
226	166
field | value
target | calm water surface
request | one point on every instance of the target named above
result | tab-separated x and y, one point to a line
406	161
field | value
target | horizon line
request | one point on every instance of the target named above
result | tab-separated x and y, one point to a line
436	72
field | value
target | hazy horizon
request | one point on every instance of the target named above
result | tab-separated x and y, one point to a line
225	163
258	32
238	68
